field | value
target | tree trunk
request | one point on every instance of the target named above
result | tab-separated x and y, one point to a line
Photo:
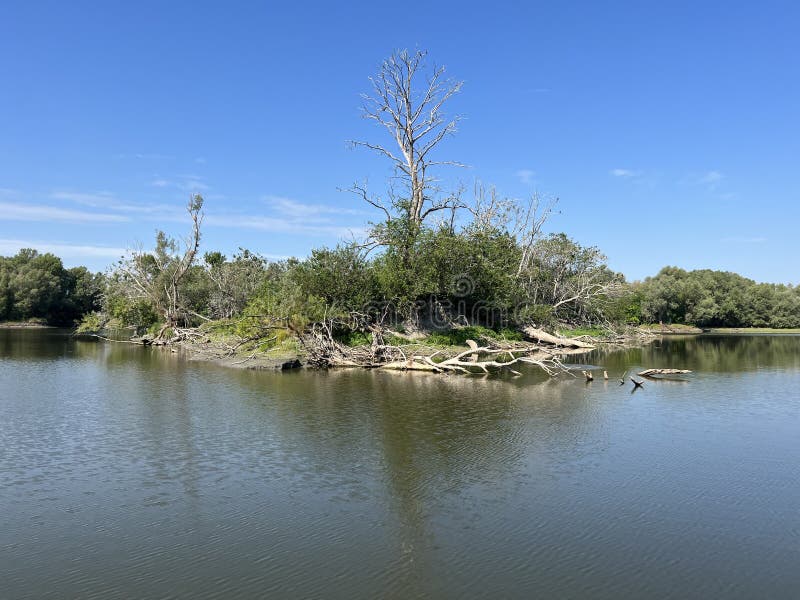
543	336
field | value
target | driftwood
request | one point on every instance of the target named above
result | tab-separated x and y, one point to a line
474	346
468	361
637	384
547	338
324	351
651	372
409	365
135	341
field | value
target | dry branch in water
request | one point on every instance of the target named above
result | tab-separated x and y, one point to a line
651	372
323	350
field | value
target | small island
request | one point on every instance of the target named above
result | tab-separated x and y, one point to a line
434	269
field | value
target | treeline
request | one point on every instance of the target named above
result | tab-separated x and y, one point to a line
37	286
716	299
447	278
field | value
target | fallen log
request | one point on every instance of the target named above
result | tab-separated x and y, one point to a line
548	338
409	365
468	362
652	372
473	345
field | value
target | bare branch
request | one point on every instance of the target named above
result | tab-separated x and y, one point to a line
414	120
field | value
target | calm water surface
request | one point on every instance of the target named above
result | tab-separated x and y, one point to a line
128	472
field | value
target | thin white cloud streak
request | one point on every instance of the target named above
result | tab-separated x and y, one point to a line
525	176
186	183
711	178
10	247
108	201
627	173
288	216
11	211
299	210
192	186
273	225
90	199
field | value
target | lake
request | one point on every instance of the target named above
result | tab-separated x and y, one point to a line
129	472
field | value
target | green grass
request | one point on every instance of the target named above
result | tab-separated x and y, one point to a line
459	337
673	327
354	338
573	333
681	328
753	330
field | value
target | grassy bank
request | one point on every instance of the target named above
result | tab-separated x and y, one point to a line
30	324
751	330
673	329
680	329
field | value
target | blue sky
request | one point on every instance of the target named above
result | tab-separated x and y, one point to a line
670	132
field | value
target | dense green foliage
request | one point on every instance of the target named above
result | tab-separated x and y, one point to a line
454	281
37	286
429	277
457	283
441	278
717	299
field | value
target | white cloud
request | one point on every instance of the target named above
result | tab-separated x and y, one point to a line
10	247
11	211
624	173
299	210
192	185
525	176
187	183
283	215
109	201
712	177
280	225
89	199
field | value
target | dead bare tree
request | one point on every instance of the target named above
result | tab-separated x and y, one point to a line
156	276
523	220
528	226
415	120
